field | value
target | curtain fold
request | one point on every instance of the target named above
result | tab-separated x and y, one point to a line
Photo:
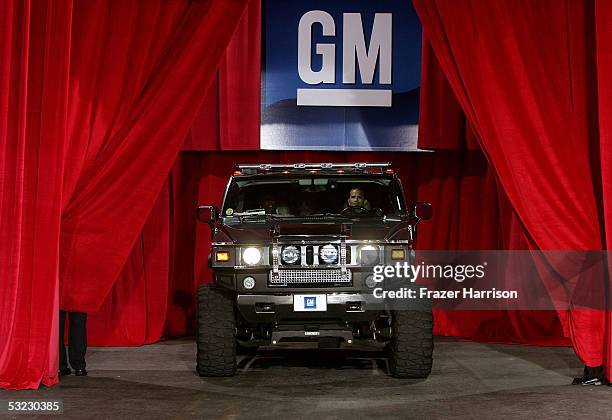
134	312
115	193
238	100
239	82
443	126
34	82
229	117
96	99
521	73
442	123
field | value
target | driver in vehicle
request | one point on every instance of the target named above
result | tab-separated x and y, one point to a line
357	199
268	204
272	207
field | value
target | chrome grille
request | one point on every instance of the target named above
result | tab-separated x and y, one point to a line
305	276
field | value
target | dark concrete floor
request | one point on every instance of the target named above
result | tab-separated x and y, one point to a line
469	380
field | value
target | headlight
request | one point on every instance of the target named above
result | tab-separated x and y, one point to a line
251	256
368	255
290	254
329	254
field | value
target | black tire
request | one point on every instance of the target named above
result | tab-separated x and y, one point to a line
411	346
216	338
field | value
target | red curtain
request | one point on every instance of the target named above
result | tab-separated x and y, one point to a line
141	104
134	312
523	74
164	295
229	117
34	84
97	98
443	126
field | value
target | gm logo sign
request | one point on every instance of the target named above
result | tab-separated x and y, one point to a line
340	75
357	56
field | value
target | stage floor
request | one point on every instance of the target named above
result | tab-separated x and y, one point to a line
469	380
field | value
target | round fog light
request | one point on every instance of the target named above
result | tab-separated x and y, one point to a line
290	254
370	282
248	283
329	254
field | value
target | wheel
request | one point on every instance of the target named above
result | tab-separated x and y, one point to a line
216	337
411	346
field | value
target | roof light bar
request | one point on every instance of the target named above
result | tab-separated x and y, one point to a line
310	166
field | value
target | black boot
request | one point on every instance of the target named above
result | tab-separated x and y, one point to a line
64	371
592	376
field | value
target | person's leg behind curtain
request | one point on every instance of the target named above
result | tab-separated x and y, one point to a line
77	340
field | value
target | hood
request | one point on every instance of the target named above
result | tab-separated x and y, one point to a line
261	232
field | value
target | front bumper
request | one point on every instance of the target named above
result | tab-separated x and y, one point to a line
280	308
233	280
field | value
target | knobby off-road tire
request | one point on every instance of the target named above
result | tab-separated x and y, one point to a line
411	347
216	338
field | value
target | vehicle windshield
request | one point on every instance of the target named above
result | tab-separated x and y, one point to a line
309	195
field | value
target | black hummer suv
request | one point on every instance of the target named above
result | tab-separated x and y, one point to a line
293	260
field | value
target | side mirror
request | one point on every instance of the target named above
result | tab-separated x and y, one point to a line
422	210
208	214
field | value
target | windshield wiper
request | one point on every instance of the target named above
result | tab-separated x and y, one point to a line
253	212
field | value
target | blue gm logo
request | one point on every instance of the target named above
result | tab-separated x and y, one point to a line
310	302
340	75
354	54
